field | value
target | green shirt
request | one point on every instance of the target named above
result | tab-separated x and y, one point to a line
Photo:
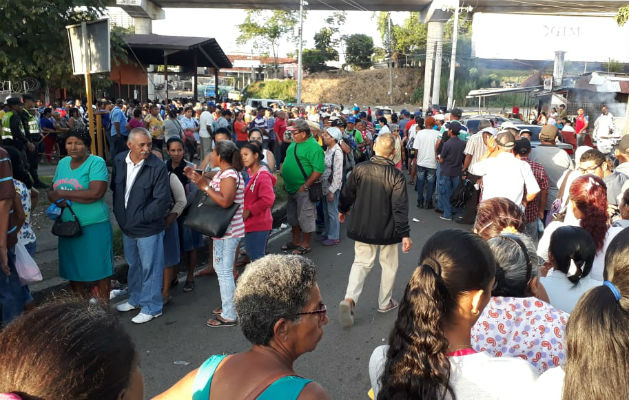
66	178
358	137
311	156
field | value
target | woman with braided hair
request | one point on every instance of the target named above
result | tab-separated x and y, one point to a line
588	201
430	354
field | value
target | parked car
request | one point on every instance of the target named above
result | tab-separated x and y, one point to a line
387	113
266	103
472	121
535	140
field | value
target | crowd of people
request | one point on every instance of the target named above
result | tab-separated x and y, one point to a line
528	301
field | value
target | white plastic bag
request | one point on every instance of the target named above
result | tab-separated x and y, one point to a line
26	267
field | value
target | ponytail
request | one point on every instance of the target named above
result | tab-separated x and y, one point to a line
229	153
452	262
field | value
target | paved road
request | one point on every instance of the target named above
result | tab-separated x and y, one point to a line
340	362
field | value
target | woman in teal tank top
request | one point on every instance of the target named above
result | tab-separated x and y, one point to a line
281	312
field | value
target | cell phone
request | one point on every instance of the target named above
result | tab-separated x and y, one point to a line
199	171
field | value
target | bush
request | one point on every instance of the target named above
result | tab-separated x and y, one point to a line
283	89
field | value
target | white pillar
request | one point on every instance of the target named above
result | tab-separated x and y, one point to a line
428	66
143	25
437	75
298	97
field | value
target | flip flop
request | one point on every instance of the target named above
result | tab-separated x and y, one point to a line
393	304
218	322
205	272
289	246
217	311
300	251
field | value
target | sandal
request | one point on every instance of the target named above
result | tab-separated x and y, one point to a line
218	322
300	251
289	246
189	286
217	311
205	272
393	304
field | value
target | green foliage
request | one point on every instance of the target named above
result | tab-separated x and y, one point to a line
273	89
359	49
324	44
622	15
614	66
266	29
410	38
314	60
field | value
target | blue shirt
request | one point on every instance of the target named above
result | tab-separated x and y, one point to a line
46	123
117	115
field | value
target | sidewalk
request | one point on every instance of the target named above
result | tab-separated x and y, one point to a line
46	255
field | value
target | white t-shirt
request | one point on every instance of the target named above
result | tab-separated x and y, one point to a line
549	385
506	176
476	376
597	272
424	142
562	293
205	120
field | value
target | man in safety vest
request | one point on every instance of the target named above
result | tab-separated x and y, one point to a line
13	130
30	119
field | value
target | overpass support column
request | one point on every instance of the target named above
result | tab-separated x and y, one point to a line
428	65
143	13
437	74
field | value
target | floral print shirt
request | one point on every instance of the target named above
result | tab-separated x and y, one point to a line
522	327
26	234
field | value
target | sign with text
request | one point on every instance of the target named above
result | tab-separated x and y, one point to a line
90	50
537	37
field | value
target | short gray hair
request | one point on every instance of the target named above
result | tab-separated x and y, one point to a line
273	287
511	275
302	125
138	131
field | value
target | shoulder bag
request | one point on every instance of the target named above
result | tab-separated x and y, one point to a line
558	211
315	191
206	216
67	229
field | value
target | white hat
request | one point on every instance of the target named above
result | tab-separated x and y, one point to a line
490	130
438	117
568	128
508	125
334	132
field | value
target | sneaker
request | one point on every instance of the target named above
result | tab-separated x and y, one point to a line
330	242
189	286
126	306
445	219
141	318
346	313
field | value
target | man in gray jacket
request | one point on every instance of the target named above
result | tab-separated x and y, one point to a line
141	197
377	192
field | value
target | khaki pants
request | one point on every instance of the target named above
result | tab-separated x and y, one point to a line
364	255
206	147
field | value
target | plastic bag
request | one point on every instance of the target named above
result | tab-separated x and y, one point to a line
26	267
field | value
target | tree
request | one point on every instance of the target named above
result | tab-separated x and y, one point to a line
324	44
266	29
622	15
314	60
35	42
359	49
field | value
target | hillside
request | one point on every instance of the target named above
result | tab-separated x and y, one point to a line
363	87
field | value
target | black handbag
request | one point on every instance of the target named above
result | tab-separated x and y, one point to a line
462	193
315	191
67	229
206	216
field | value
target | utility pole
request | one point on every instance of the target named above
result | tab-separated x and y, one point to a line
298	97
389	57
451	75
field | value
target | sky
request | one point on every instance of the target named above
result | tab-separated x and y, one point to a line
222	24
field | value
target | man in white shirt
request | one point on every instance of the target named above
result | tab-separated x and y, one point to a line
425	143
206	121
605	131
505	175
476	147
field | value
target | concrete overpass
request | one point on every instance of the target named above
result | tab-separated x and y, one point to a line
433	12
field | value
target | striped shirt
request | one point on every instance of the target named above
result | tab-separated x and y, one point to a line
237	226
7	191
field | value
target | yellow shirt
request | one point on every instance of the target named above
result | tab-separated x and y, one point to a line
155	126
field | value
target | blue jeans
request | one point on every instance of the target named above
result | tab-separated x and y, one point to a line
428	175
255	244
145	257
12	295
224	251
447	185
331	217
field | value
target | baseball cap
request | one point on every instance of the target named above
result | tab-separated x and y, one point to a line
454	126
210	103
548	133
351	120
505	139
362	114
334	132
417	114
524	130
27	96
508	125
13	101
439	117
522	146
490	130
355	108
622	146
404	112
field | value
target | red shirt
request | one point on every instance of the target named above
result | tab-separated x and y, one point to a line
259	198
238	128
279	127
409	125
579	123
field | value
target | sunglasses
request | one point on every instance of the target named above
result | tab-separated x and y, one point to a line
321	312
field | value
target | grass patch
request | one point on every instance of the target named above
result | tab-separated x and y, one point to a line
273	89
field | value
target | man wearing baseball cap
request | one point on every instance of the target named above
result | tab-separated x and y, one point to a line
553	159
505	175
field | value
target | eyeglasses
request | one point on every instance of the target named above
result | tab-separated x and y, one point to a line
321	312
589	169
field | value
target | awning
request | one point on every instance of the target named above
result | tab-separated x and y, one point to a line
497	91
181	50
